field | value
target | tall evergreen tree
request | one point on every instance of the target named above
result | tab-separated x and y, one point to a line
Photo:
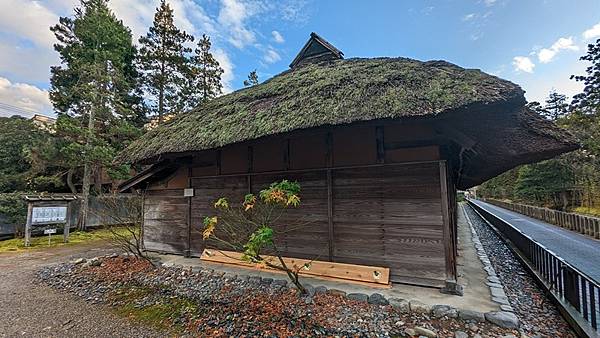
163	63
203	75
93	90
556	106
252	79
589	99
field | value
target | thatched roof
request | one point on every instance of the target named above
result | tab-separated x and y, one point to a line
346	91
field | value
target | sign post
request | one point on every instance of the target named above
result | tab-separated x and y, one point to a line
48	210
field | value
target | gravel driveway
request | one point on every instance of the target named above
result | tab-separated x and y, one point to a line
30	309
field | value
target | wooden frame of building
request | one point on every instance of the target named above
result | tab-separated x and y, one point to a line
379	170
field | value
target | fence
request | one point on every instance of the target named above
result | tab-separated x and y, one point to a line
100	213
583	224
577	293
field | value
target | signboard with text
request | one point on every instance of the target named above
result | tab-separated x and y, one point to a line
48	215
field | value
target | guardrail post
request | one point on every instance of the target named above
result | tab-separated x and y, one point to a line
571	281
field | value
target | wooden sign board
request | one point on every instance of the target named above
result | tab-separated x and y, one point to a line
373	275
48	215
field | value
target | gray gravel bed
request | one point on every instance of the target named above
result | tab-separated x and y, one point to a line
538	315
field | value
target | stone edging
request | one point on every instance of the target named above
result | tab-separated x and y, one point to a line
500	318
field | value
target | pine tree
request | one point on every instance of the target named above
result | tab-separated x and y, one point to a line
252	79
203	75
93	91
163	63
556	106
589	99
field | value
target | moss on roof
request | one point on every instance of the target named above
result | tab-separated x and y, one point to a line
328	93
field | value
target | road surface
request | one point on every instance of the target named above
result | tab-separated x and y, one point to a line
579	250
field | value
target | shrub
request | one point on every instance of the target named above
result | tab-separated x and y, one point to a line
248	227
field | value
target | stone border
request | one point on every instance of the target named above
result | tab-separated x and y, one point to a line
500	318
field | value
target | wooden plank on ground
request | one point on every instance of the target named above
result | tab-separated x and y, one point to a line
351	272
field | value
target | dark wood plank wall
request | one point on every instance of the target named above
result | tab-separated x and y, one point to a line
391	216
388	214
165	221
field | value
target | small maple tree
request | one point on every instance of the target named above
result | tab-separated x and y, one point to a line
249	227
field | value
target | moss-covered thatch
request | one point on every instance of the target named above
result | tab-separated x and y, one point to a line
328	93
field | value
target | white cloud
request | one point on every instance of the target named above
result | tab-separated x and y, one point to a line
271	55
490	2
228	66
523	63
277	37
232	16
469	17
546	55
24	96
592	33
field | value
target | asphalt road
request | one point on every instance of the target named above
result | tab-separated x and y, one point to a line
581	251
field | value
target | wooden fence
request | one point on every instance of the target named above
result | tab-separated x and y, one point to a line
583	224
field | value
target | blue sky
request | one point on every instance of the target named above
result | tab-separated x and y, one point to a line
534	43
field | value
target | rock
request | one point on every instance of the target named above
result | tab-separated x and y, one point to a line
471	315
266	281
400	304
254	279
399	323
501	300
440	311
460	334
310	290
378	299
308	300
320	289
358	296
279	282
425	332
497	292
506	308
79	261
503	319
95	262
336	292
419	307
410	332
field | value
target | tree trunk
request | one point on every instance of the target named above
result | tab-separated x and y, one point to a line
87	176
70	180
161	94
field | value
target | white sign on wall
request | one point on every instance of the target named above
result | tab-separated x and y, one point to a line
45	215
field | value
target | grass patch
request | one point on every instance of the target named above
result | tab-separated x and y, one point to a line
41	242
162	314
588	211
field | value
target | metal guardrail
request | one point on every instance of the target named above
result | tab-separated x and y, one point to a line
575	291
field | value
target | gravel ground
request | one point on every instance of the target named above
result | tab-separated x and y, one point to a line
538	315
219	305
30	309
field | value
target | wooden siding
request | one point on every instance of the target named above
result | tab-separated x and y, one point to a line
379	220
165	225
361	202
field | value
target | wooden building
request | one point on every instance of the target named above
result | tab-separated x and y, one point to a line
378	145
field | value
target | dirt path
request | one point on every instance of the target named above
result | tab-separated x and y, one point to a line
30	309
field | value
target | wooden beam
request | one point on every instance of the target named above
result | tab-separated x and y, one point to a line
447	232
361	273
329	153
188	249
28	224
330	226
380	144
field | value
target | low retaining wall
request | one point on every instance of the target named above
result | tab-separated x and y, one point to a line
583	224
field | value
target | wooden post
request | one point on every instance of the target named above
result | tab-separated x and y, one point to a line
380	145
28	224
330	213
448	250
67	229
188	249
